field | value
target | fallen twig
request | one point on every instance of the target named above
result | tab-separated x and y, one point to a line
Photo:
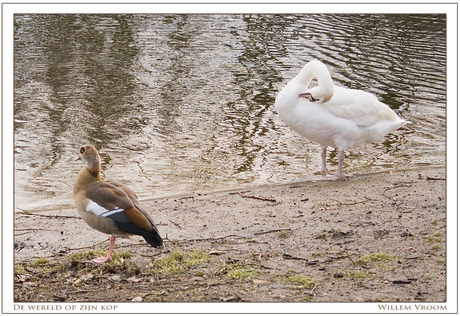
24	212
16	235
260	266
257	197
31	230
98	243
361	193
402	282
312	290
24	229
401	185
177	225
333	206
351	203
186	197
289	257
206	239
240	192
272	231
228	236
349	257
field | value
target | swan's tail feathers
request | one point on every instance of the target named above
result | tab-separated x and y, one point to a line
404	122
407	122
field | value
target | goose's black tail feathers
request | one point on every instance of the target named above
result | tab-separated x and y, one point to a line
153	238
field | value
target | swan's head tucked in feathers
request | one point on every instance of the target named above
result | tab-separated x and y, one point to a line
316	69
298	86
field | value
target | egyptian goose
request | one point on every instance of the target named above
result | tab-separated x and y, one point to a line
331	115
109	206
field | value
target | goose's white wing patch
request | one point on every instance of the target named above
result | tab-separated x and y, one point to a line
98	210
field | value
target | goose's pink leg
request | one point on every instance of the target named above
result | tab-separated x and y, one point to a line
109	254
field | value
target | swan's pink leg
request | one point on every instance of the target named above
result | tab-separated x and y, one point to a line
109	254
323	161
338	174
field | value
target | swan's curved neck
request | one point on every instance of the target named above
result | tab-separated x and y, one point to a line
316	69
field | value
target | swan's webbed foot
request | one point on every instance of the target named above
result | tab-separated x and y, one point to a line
308	96
332	177
325	177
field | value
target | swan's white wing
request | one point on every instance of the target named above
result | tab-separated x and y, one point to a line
358	106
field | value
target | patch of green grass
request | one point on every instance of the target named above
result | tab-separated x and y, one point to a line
428	276
41	262
360	275
253	241
44	265
87	255
378	257
436	247
322	235
119	262
336	233
178	261
237	271
435	238
19	269
300	280
441	260
125	255
41	266
283	233
163	292
91	254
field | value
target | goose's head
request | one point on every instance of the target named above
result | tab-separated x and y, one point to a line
89	154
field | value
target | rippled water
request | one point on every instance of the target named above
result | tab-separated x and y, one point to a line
178	103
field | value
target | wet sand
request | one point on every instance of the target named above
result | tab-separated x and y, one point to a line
320	228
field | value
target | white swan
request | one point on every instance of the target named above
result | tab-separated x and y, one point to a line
333	116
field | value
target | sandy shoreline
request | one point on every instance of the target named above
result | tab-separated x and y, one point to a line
332	224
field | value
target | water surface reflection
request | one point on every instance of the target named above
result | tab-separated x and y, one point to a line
179	103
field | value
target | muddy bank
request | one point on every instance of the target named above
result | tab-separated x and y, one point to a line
374	238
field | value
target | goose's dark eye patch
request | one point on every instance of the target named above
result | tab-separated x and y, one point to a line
82	150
